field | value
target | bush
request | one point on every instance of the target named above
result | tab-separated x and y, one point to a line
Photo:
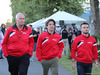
98	41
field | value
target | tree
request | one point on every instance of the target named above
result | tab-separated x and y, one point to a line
8	23
95	16
37	9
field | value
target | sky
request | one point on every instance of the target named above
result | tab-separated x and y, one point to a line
5	11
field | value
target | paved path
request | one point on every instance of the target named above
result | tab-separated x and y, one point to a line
35	68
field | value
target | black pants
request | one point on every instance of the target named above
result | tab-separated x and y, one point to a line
84	68
18	65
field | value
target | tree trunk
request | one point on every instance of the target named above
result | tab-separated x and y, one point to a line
95	17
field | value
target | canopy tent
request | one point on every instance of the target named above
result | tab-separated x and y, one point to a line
58	16
66	17
36	23
39	23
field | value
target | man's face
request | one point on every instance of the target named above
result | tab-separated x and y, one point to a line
51	26
20	20
85	29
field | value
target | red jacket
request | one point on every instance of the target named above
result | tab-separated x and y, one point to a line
18	43
49	46
86	48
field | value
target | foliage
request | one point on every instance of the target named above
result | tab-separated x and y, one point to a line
37	9
98	41
67	63
8	23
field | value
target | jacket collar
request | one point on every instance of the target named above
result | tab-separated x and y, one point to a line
85	36
50	33
15	26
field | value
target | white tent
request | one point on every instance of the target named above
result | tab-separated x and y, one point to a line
36	23
66	17
39	23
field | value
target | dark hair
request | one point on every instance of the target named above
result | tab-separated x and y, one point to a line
30	25
84	24
49	21
2	25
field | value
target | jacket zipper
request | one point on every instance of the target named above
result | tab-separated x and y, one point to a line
19	35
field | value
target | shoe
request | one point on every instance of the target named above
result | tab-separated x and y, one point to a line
31	59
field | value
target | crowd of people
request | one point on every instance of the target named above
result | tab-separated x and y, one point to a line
20	44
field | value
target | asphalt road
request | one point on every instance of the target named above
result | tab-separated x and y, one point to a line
35	68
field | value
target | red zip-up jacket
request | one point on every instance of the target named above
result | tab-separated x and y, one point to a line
49	46
17	43
86	48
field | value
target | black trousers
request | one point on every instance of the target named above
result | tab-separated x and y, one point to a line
18	65
84	68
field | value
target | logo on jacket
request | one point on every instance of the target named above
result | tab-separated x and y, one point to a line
54	39
89	42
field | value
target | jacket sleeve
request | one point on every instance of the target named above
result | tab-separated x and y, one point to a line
94	50
61	46
31	42
73	49
4	42
39	48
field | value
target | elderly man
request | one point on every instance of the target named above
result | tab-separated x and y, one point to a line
18	45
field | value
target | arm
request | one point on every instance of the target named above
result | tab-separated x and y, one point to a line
73	52
5	42
31	42
61	46
73	49
95	54
73	64
96	65
38	49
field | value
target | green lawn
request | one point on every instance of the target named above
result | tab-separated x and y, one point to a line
66	63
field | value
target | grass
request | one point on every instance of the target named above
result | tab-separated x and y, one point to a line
67	63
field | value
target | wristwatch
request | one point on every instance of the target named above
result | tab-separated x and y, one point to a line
96	63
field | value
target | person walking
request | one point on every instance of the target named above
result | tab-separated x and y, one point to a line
49	48
18	45
86	48
64	34
35	36
1	38
3	28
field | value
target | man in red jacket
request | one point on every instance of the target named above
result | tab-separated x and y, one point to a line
86	48
49	48
18	45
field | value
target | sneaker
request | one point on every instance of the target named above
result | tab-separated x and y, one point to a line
31	59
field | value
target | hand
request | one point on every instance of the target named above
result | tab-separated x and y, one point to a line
73	65
57	58
96	67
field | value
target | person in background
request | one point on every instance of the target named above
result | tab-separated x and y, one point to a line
38	30
74	34
64	34
86	48
18	45
35	36
3	28
58	30
49	48
1	38
69	40
45	29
